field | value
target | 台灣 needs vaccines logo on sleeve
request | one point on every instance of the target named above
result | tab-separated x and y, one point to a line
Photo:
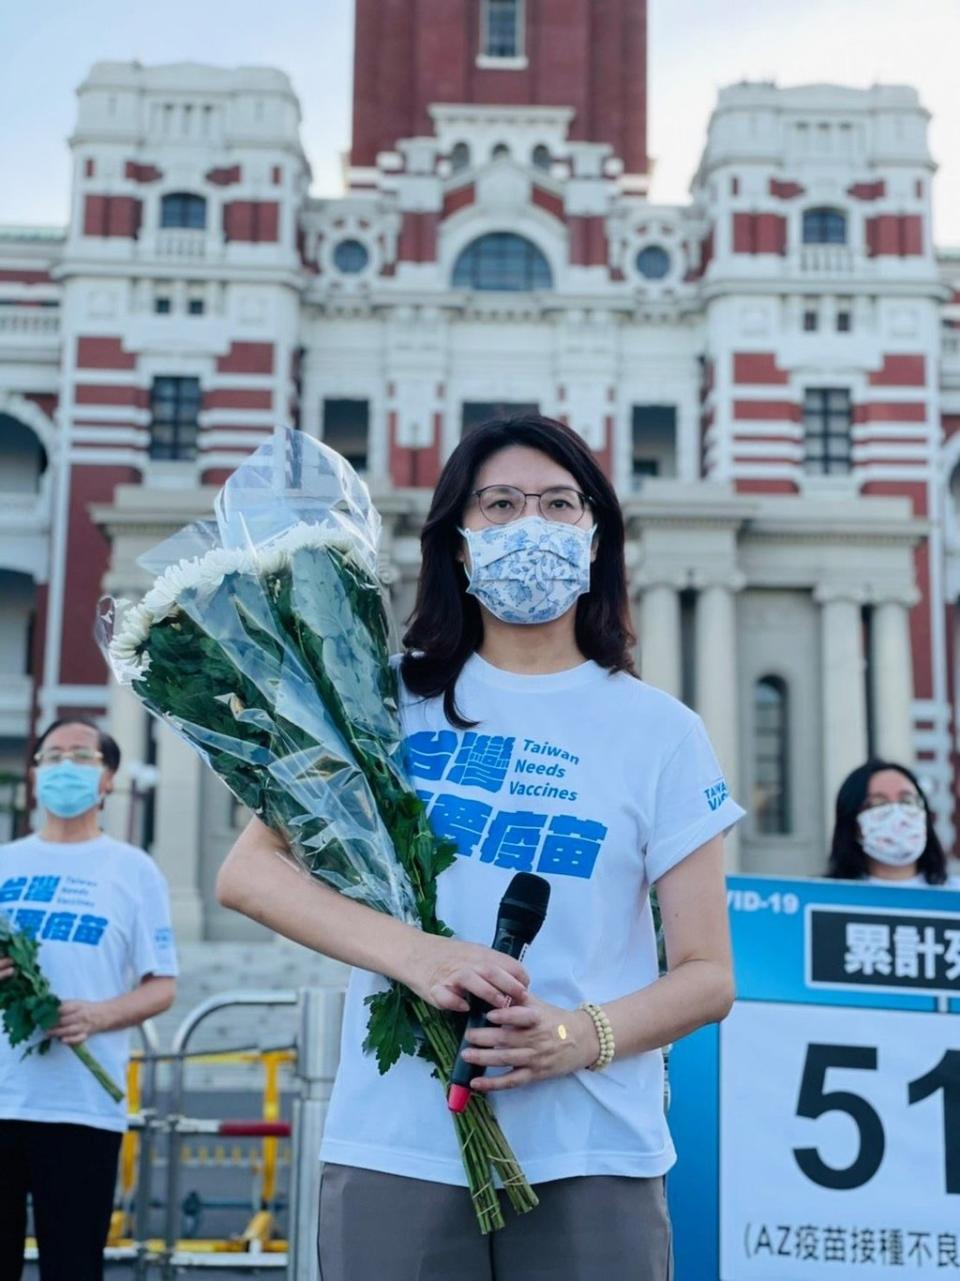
716	793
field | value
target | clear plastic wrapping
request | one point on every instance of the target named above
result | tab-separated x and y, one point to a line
263	643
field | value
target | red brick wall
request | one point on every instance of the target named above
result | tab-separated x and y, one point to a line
252	221
88	553
582	54
759	233
111	216
247	358
103	353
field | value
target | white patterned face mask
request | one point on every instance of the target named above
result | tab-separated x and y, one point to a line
529	571
893	834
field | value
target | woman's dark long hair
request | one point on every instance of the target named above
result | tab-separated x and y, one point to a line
446	627
848	861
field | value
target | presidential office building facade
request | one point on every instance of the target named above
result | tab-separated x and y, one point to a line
769	373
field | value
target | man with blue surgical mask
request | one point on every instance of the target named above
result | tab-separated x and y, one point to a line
101	913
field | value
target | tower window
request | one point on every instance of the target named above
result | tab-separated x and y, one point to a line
502	28
826	429
541	157
350	257
502	260
810	320
346	428
460	157
824	227
770	756
183	209
174	414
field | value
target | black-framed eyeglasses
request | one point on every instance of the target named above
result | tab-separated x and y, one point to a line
79	756
500	504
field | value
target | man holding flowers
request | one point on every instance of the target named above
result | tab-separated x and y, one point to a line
99	910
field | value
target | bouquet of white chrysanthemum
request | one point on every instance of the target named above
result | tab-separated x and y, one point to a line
263	643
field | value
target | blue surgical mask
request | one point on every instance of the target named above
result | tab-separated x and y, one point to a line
67	789
529	571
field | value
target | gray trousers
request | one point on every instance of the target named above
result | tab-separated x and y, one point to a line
381	1227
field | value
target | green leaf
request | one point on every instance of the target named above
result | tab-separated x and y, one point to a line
392	1029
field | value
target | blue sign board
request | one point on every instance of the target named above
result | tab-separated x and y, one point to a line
818	1128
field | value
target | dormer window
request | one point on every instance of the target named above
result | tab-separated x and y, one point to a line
501	34
183	209
824	227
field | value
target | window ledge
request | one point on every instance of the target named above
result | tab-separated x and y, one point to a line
491	63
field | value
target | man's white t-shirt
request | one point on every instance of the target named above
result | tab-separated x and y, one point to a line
601	784
101	911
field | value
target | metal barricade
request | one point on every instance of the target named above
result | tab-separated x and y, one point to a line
315	1064
318	1053
178	1125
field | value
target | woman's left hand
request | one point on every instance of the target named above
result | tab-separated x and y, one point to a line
535	1040
77	1021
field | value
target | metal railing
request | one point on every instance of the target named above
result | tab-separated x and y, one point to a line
314	1058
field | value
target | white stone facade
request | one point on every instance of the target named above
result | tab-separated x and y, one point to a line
692	346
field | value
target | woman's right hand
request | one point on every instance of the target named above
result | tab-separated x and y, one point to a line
446	972
7	968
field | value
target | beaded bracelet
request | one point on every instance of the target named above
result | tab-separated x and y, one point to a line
608	1047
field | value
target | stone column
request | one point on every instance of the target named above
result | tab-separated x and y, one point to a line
843	691
716	684
128	725
891	680
177	835
660	655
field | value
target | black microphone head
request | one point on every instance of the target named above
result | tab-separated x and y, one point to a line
524	905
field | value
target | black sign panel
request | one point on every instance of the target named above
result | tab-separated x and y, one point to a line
883	950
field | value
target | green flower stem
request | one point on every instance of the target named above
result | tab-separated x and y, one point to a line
92	1065
478	1130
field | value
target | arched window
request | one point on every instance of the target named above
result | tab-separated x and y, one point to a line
460	157
183	209
824	227
501	149
541	157
23	459
502	260
771	730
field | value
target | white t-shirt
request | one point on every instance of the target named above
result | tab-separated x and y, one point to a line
601	784
918	882
101	911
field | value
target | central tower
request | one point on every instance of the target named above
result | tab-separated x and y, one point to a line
584	55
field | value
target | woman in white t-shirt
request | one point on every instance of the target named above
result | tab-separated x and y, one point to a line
101	913
535	748
884	830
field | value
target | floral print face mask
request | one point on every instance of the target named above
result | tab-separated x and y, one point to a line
530	571
893	834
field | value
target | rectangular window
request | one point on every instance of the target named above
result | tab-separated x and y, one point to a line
195	306
174	418
826	428
502	33
161	306
653	441
844	322
346	428
810	321
475	412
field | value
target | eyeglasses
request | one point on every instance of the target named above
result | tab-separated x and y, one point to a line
501	504
79	756
909	799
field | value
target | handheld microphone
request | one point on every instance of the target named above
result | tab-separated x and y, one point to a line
521	913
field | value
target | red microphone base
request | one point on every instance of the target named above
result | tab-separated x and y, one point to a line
458	1098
